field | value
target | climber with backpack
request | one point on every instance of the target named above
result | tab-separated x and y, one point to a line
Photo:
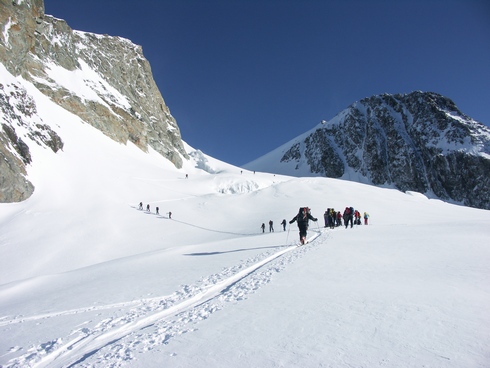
302	219
348	216
357	217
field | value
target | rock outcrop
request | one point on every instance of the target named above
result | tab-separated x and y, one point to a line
413	142
114	90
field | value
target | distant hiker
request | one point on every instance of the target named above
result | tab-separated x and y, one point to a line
170	215
271	226
157	211
366	217
331	218
187	176
141	206
283	223
302	219
325	217
357	216
148	207
262	227
339	218
348	216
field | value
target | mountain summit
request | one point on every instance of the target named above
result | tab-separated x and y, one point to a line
412	142
106	81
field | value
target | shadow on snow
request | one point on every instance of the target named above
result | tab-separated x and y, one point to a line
231	251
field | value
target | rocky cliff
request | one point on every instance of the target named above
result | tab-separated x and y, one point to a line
413	142
104	80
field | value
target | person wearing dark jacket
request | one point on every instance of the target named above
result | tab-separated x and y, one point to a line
302	219
348	216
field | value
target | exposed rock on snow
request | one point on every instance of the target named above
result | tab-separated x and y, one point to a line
104	80
201	161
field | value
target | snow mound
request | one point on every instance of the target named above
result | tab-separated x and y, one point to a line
232	185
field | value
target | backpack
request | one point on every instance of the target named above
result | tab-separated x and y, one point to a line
351	211
303	215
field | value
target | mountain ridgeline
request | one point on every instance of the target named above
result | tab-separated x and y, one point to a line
412	142
106	81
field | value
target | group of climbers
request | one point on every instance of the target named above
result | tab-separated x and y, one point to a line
350	216
157	210
332	219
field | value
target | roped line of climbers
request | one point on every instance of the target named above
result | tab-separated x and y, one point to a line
140	207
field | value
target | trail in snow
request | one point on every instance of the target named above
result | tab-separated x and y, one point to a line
159	215
215	231
168	316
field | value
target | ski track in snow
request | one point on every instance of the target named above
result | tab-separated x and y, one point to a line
153	322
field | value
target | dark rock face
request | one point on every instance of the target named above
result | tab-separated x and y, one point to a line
418	141
124	103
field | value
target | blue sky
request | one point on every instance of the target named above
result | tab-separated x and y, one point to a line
243	77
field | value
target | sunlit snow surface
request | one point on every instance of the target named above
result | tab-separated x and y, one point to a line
89	280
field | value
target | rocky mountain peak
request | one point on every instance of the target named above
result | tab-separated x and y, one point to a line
413	142
115	91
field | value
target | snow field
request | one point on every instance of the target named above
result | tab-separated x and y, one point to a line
88	280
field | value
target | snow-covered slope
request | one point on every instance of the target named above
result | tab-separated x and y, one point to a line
89	280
